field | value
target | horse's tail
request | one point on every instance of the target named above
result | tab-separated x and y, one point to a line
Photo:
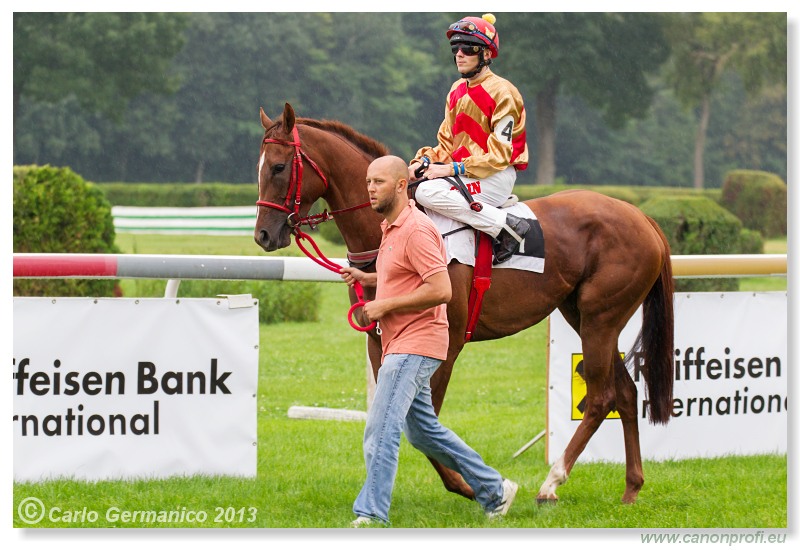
656	339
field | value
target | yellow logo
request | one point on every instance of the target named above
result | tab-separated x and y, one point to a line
579	389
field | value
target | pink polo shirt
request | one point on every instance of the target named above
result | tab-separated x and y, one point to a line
411	251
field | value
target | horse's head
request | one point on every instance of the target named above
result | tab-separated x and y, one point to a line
283	195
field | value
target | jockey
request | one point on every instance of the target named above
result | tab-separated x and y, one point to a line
482	140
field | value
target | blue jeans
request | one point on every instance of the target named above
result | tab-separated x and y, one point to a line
402	402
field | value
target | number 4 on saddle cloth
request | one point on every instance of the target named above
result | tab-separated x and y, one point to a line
471	247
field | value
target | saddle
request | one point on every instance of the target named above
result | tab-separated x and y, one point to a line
484	251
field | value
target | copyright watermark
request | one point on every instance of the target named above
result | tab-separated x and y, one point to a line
729	539
33	511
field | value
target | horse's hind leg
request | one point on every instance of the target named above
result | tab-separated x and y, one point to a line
624	400
626	395
558	472
598	347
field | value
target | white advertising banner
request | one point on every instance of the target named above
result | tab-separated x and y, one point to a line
114	388
730	394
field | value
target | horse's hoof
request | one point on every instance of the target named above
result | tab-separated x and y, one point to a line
546	500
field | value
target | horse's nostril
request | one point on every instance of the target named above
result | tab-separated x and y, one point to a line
263	237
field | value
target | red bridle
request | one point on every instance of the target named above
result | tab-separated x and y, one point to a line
295	178
292	207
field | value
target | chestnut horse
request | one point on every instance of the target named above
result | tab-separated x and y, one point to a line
604	258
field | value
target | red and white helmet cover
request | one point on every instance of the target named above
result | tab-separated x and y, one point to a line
476	30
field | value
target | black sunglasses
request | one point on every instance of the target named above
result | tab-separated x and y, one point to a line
466	49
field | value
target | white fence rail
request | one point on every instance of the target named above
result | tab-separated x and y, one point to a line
210	220
173	266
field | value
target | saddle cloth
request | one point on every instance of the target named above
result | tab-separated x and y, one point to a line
461	245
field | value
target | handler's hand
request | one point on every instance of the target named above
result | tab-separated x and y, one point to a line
351	275
375	310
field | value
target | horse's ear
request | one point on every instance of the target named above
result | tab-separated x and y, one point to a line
288	118
265	121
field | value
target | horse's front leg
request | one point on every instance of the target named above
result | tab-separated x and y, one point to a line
452	480
457	318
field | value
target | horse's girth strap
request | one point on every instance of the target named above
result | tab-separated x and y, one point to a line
481	281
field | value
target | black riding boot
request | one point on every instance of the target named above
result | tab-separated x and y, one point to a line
507	244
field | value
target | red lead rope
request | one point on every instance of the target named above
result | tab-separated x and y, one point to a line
323	261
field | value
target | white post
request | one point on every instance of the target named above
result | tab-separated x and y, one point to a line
172	288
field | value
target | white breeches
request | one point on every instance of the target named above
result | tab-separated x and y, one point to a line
439	196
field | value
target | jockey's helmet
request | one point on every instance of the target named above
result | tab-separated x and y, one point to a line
476	30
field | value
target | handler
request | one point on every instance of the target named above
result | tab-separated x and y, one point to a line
413	287
481	138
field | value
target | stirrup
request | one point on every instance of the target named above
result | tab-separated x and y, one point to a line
513	233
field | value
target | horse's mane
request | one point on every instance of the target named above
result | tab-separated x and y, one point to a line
367	144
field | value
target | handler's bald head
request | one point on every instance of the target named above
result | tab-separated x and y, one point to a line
390	165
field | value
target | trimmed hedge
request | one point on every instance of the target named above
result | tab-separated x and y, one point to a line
180	194
698	225
527	192
751	242
632	194
55	210
758	199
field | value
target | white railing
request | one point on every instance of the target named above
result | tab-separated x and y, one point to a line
174	266
204	220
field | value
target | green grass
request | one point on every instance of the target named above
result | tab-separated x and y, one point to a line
776	246
309	472
767	284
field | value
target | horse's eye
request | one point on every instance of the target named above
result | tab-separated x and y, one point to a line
278	168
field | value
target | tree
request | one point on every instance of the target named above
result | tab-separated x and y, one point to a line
602	58
644	152
758	137
342	66
327	65
102	59
430	78
706	45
